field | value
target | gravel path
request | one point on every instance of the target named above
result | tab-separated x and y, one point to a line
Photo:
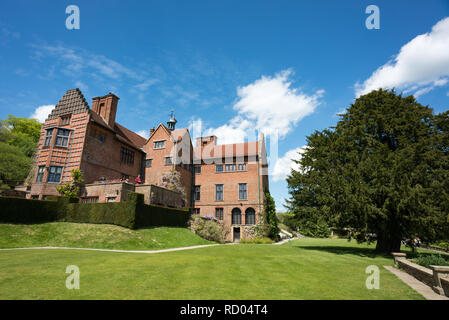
114	250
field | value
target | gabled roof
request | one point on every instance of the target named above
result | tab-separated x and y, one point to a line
176	135
72	102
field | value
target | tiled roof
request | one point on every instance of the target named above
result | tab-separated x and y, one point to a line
130	136
72	102
178	134
226	150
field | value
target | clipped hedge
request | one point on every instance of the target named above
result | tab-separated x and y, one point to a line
152	215
23	211
132	213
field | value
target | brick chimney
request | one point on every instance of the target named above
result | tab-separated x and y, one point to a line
151	131
106	107
204	141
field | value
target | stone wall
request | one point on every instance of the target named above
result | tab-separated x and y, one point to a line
445	286
160	196
107	192
419	272
437	277
118	191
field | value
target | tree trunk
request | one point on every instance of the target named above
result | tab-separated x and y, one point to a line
387	243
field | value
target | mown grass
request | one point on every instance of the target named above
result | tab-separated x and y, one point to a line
102	236
300	269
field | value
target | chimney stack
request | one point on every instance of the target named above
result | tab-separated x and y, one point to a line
106	107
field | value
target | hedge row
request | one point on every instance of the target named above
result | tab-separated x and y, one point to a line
132	213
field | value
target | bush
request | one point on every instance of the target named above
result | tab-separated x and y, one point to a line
208	228
256	240
433	259
443	244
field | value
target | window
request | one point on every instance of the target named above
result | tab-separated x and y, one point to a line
65	120
102	138
197	195
101	109
148	163
54	174
159	144
230	167
89	200
219	168
236	216
126	156
242	166
197	169
35	197
168	161
219	213
40	173
250	216
196	210
62	138
219	192
48	136
242	191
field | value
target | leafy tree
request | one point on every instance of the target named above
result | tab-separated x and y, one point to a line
18	139
270	216
72	189
23	133
383	170
14	165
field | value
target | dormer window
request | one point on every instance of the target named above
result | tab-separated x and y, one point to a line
159	144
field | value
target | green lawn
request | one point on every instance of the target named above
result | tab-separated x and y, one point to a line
81	235
301	269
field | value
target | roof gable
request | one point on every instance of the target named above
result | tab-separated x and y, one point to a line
72	102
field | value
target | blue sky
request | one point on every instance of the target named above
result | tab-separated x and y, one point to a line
231	66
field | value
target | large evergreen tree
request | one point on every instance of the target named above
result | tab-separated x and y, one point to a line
383	170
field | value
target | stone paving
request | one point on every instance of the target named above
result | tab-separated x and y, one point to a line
416	285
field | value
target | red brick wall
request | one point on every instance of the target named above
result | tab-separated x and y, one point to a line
102	159
68	157
153	174
208	178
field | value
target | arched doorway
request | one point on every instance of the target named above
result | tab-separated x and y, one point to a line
236	220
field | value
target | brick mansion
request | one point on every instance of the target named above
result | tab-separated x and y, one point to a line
225	181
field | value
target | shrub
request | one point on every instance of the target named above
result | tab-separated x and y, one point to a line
443	244
264	240
72	189
433	259
208	228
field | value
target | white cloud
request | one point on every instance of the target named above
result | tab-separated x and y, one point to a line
41	113
143	133
269	105
284	165
73	62
421	65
